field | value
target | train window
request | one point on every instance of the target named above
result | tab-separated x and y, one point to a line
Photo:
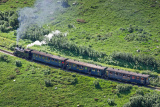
36	55
70	64
128	76
52	59
137	78
74	65
85	68
77	66
133	77
48	58
98	70
120	74
39	56
124	75
59	61
93	70
81	67
56	60
110	73
43	57
142	78
116	74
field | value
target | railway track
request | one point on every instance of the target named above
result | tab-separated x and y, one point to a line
150	87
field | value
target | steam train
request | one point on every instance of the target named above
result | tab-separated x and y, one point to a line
87	68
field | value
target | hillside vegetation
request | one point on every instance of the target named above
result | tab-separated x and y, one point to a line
24	83
127	31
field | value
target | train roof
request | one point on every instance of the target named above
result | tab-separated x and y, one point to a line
48	55
86	64
27	50
127	72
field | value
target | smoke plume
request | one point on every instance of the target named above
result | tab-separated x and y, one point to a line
41	13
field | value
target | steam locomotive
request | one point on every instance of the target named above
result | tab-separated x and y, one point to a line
87	68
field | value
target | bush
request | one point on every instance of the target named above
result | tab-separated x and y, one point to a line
74	81
62	43
148	100
111	102
48	83
46	72
123	88
12	77
35	33
140	92
18	63
4	58
141	59
96	82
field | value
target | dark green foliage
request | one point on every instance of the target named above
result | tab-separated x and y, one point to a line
123	88
111	102
96	82
46	72
70	26
65	3
8	21
35	33
142	59
140	92
12	77
4	58
148	100
48	83
60	42
18	63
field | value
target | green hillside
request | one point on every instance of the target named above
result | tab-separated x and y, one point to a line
113	27
28	84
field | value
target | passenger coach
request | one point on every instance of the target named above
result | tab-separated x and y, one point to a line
128	76
48	58
85	67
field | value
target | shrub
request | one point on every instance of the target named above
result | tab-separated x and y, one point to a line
141	59
46	72
148	100
123	88
18	63
48	83
4	58
140	92
111	102
12	77
96	82
74	81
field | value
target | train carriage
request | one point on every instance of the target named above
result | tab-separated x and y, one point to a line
128	76
48	58
85	67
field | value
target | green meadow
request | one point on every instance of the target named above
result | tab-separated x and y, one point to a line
123	34
24	83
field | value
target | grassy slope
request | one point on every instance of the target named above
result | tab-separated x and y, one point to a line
29	88
106	19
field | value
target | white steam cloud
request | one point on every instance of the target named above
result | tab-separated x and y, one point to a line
47	37
41	13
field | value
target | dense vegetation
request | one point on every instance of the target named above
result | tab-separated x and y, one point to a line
8	21
34	33
147	100
26	83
